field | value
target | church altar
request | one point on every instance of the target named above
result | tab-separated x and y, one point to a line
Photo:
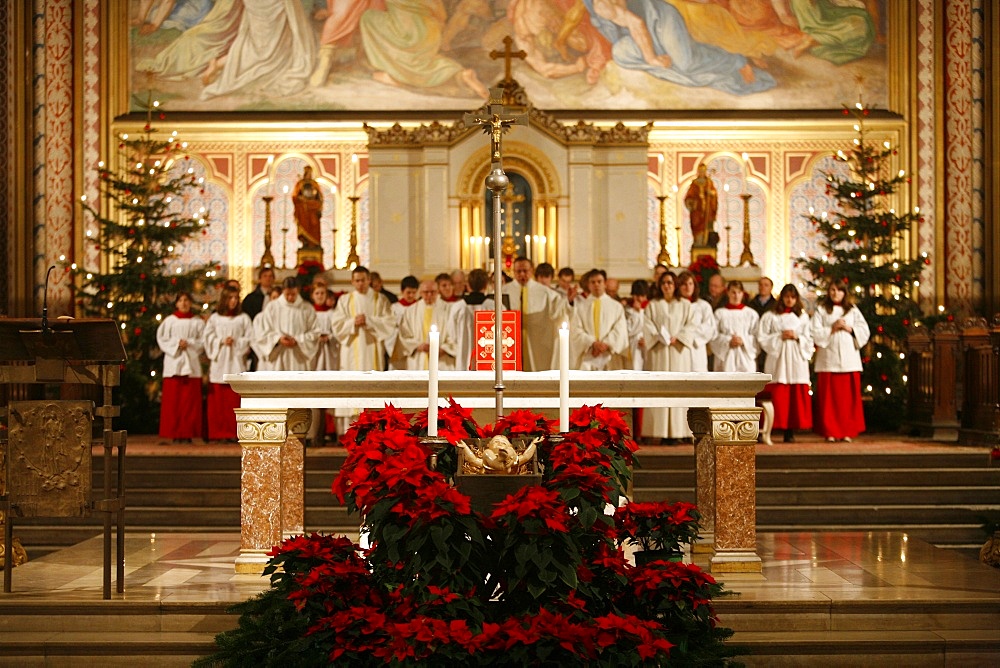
275	413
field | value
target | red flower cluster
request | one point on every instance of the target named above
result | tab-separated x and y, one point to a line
541	579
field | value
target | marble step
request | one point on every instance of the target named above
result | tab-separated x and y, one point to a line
864	649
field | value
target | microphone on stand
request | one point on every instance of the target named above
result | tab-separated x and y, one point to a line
45	302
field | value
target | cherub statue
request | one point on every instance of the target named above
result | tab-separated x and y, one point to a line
499	456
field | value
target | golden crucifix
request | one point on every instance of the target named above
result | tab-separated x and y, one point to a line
507	53
495	121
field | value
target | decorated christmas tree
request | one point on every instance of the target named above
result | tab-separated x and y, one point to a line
151	206
867	244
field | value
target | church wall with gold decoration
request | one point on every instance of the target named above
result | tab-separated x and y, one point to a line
936	66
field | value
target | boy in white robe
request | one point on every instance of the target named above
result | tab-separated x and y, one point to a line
598	331
543	311
285	336
362	321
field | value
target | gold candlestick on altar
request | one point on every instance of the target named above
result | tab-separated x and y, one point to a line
663	257
746	257
352	255
284	246
267	259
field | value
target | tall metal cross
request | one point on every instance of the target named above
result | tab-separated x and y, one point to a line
507	53
495	121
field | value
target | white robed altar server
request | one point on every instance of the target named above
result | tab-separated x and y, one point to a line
702	320
598	332
669	334
543	310
327	346
413	343
362	323
735	342
227	337
285	336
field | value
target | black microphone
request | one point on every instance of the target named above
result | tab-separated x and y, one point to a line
45	302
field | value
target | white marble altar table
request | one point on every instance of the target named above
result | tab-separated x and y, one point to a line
274	416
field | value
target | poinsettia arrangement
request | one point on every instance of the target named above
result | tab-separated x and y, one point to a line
658	525
542	579
703	268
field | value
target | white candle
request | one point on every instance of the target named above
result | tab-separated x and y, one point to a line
432	381
746	170
564	378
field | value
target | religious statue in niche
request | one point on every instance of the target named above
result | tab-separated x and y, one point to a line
498	456
308	201
702	201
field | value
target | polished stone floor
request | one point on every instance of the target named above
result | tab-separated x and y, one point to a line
831	567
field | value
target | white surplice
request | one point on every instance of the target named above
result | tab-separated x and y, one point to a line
732	322
664	321
362	348
413	330
283	318
787	359
613	331
225	359
169	334
546	310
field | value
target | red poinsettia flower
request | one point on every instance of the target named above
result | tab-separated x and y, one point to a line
535	502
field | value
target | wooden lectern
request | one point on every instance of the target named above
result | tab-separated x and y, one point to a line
48	443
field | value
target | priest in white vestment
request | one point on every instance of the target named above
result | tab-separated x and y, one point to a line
362	322
413	343
285	336
669	333
598	332
543	311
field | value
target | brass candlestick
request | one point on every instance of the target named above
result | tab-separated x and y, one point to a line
284	247
746	257
664	257
267	259
352	256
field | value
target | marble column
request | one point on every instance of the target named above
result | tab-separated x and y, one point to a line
293	473
726	480
262	438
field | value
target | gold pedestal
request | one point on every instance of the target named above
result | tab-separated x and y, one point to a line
698	251
308	255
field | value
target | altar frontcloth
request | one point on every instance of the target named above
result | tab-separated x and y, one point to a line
274	416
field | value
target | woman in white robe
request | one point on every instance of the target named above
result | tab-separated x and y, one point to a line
840	331
735	342
785	335
228	333
668	334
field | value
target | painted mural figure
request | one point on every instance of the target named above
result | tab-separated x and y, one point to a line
340	22
403	44
308	201
652	37
200	49
274	51
702	200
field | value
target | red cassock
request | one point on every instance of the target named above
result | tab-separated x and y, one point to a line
221	417
838	410
180	412
792	405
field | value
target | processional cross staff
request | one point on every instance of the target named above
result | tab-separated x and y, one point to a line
496	119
